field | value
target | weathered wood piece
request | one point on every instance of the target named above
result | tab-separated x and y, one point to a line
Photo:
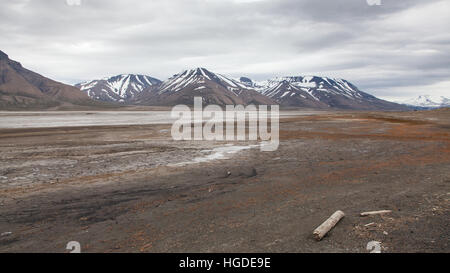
326	226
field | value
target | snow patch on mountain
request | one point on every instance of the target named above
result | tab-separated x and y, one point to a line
117	88
428	101
199	76
309	84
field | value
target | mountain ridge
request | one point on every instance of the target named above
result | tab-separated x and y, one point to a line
427	101
214	88
22	88
320	92
118	88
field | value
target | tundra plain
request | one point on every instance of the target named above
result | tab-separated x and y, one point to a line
131	188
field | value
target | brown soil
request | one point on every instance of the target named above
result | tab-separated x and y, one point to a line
118	188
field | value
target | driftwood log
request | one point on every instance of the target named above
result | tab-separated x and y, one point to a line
326	226
375	212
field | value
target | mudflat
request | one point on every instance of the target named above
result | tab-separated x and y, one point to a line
131	188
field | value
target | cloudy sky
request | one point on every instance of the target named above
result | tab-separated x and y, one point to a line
395	50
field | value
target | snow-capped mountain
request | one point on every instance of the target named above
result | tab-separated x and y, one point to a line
213	88
200	76
427	101
120	88
319	92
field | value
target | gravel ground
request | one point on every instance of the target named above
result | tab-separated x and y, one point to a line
133	189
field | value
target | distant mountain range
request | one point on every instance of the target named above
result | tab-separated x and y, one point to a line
298	91
427	101
23	89
319	92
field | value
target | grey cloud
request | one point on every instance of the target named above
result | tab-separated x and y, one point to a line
380	48
336	11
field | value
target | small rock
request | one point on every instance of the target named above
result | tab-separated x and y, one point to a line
385	233
224	174
6	233
374	247
248	172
